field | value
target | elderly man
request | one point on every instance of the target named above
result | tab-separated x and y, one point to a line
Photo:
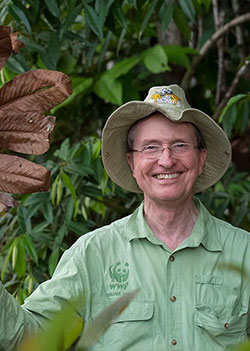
170	247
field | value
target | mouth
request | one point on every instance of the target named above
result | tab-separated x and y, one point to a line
167	176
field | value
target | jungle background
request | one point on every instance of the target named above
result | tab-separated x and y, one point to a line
114	51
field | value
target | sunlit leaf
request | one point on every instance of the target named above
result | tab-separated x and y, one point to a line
67	181
122	67
156	60
109	90
231	102
20	264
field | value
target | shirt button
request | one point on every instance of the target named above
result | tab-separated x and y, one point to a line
174	342
171	258
226	325
173	298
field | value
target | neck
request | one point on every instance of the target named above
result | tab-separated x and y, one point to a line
171	223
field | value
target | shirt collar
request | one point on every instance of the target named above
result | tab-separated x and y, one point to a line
204	232
137	227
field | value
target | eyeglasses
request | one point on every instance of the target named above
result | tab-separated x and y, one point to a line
155	151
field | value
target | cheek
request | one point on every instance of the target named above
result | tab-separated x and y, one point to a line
202	160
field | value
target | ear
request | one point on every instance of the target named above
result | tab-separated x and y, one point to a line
202	161
129	156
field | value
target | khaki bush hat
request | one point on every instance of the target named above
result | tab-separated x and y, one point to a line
171	102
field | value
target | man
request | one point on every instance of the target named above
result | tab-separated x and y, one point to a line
170	247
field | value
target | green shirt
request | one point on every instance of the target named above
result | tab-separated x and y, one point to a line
190	299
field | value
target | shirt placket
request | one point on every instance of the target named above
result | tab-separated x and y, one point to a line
173	303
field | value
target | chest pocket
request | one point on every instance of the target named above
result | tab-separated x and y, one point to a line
220	319
132	328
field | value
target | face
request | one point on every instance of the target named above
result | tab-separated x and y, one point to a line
166	178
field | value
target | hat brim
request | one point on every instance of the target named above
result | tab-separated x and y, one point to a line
115	135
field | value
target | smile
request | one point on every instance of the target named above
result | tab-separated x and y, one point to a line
167	176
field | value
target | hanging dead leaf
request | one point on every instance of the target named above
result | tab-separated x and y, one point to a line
16	44
28	133
34	91
7	202
5	45
20	176
8	44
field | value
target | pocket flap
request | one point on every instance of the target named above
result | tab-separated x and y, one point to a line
208	279
136	311
220	325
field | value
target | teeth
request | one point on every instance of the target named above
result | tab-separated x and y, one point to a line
167	176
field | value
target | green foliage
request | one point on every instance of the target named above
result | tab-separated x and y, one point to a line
81	199
114	51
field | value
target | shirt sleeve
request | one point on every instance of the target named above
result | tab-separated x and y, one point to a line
14	321
66	286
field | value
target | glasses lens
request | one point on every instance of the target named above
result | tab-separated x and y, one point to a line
180	148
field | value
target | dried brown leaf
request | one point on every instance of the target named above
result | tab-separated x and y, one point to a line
9	44
5	44
28	133
35	91
7	202
20	176
16	44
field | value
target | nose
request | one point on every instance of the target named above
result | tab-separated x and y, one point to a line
166	159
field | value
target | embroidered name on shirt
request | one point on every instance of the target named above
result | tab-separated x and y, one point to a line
119	273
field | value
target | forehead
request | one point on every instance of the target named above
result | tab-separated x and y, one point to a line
159	127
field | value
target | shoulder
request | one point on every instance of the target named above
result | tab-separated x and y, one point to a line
104	236
233	239
227	229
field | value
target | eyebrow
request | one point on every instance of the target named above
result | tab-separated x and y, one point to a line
157	141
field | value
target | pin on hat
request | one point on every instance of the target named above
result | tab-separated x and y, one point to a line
171	102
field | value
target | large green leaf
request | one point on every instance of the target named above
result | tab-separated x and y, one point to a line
156	60
81	86
123	67
110	90
229	104
179	55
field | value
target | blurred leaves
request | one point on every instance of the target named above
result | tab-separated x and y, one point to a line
114	51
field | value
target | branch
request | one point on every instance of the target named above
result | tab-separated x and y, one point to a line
238	31
209	44
218	21
241	72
